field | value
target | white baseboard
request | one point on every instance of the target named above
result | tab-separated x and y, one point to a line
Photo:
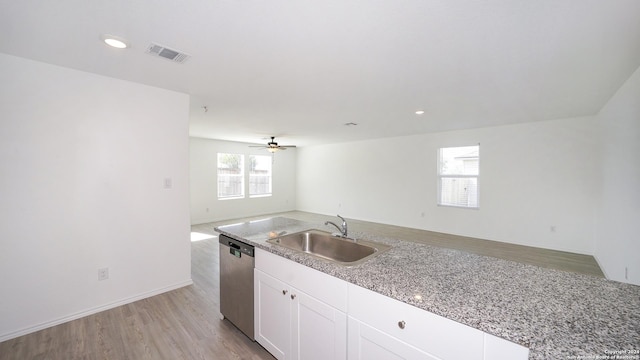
604	271
81	314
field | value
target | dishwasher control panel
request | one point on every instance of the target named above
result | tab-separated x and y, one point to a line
236	247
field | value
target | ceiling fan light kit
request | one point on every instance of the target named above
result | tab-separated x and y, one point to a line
272	146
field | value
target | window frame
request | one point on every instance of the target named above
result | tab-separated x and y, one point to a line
241	176
270	193
442	176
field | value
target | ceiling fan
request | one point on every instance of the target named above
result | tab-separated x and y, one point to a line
272	146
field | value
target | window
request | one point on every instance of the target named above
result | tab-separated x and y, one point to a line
230	176
458	175
260	175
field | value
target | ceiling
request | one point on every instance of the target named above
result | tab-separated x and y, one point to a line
301	69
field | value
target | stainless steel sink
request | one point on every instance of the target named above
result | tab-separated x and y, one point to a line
329	247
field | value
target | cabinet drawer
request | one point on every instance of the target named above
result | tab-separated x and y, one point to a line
367	343
321	286
436	335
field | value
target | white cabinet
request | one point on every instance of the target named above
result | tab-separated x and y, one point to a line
384	328
423	334
295	324
368	343
319	331
272	314
496	348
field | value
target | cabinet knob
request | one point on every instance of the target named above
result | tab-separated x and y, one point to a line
284	292
293	296
401	324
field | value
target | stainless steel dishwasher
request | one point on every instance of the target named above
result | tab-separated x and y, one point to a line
236	283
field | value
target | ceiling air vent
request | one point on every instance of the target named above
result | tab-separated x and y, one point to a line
169	54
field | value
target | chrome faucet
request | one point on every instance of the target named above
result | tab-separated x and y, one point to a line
343	229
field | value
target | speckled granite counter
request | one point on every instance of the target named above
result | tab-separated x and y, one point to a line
556	314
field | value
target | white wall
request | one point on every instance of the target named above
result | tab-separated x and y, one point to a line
82	165
533	176
618	241
205	206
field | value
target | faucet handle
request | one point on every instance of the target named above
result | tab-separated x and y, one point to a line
344	226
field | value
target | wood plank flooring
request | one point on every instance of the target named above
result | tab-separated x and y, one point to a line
180	324
185	323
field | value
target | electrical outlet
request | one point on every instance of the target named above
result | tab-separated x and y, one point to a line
103	274
168	183
552	228
626	273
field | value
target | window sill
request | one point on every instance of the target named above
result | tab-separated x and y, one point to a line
260	196
231	198
459	207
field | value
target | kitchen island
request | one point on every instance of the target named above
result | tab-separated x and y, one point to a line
556	314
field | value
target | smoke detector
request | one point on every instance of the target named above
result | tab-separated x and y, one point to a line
166	53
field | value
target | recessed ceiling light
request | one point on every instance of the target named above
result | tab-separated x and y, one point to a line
114	41
419	112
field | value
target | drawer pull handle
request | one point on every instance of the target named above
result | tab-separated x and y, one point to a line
401	324
293	296
284	292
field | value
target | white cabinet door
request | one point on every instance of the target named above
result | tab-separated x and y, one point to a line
319	331
368	343
273	314
292	324
496	348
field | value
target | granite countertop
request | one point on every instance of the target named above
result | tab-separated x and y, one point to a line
556	314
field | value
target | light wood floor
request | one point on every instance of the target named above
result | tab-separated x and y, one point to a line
185	324
180	324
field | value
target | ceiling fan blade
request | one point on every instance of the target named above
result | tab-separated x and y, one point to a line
272	146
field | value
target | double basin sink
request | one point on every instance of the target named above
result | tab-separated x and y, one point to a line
336	249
